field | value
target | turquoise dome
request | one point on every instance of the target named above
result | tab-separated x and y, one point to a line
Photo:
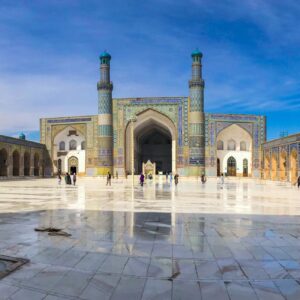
105	54
22	136
196	53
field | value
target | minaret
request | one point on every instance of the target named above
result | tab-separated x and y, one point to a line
196	117
105	125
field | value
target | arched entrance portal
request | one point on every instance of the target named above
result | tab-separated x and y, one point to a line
231	166
155	145
26	164
154	138
73	165
16	163
3	162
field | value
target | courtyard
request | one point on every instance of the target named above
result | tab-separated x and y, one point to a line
193	241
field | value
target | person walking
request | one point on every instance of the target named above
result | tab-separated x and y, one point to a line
171	177
108	178
203	178
167	176
298	182
176	178
142	179
74	178
117	175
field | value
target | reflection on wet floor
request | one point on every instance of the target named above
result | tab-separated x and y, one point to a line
189	242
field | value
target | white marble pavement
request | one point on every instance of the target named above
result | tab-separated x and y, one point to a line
193	241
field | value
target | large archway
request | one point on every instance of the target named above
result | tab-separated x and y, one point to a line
154	137
16	163
283	166
267	167
155	145
274	167
26	164
293	166
3	162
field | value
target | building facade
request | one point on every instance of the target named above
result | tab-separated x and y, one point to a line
174	132
21	158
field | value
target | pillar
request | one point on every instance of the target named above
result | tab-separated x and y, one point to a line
196	118
105	124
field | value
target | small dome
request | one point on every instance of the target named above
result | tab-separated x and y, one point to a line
196	53
22	136
105	54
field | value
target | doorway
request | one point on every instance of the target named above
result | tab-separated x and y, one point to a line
231	166
73	165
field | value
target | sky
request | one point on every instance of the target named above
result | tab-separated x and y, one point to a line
49	56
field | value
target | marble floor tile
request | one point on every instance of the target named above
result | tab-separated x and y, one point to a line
241	291
208	270
101	286
137	266
91	262
157	289
113	264
129	288
72	284
24	294
289	288
183	290
213	290
267	290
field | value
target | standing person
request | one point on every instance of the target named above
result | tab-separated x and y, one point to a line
66	178
222	180
171	177
203	178
176	178
142	179
298	182
59	178
74	178
108	178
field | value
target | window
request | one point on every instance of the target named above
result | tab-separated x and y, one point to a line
83	145
72	145
231	145
220	145
243	146
62	146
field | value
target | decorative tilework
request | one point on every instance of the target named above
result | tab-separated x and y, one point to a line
195	99
105	102
105	130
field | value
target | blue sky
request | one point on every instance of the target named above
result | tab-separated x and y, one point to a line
49	56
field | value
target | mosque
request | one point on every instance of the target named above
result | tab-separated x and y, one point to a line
173	133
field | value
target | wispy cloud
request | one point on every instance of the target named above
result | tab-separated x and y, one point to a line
49	63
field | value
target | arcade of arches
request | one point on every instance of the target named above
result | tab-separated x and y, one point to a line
281	161
20	158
